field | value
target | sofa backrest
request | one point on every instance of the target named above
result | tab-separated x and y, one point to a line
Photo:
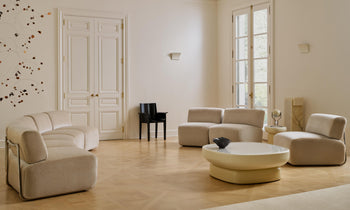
42	121
24	122
205	114
59	119
332	126
254	117
25	133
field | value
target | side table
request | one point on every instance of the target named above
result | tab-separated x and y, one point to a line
272	131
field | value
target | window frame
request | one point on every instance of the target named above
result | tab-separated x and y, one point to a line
249	9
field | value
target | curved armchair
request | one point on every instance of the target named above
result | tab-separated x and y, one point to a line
320	144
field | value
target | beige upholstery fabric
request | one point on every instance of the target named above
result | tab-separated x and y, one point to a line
76	135
52	162
59	143
311	149
239	125
252	117
24	122
332	126
317	146
32	145
235	132
59	119
91	138
68	169
42	121
205	114
194	134
23	131
61	140
196	131
204	125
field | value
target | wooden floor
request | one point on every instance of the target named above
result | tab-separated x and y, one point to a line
135	174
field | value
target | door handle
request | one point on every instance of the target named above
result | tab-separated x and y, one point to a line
251	95
92	95
96	95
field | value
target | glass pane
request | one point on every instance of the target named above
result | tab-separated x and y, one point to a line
242	71
260	46
260	21
242	25
242	94
260	70
242	48
260	95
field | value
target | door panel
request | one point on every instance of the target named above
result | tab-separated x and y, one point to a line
78	58
109	67
110	88
78	72
108	121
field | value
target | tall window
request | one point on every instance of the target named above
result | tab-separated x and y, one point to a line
251	56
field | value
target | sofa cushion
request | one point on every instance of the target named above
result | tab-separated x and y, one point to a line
59	143
42	121
59	140
236	132
204	114
332	126
59	119
24	122
67	169
91	137
194	134
254	117
32	146
62	133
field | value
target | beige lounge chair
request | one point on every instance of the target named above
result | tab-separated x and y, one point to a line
320	144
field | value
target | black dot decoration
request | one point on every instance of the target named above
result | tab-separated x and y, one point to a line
19	81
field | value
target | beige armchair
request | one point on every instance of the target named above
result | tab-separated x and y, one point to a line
239	125
196	131
320	144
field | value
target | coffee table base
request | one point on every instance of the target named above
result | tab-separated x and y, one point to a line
245	176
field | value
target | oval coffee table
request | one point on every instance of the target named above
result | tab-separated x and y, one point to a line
246	162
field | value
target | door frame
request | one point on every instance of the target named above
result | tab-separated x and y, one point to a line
94	14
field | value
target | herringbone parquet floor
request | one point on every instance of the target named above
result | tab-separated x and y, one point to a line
135	174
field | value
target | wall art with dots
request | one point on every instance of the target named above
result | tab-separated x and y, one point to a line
18	66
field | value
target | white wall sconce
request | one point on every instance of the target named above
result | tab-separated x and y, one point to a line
304	48
175	55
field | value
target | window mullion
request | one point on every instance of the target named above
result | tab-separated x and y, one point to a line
250	58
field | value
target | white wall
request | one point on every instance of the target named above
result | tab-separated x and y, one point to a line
321	76
156	28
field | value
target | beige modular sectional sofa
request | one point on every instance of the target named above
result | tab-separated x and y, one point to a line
52	155
205	124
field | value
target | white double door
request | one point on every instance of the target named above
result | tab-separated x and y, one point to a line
92	73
